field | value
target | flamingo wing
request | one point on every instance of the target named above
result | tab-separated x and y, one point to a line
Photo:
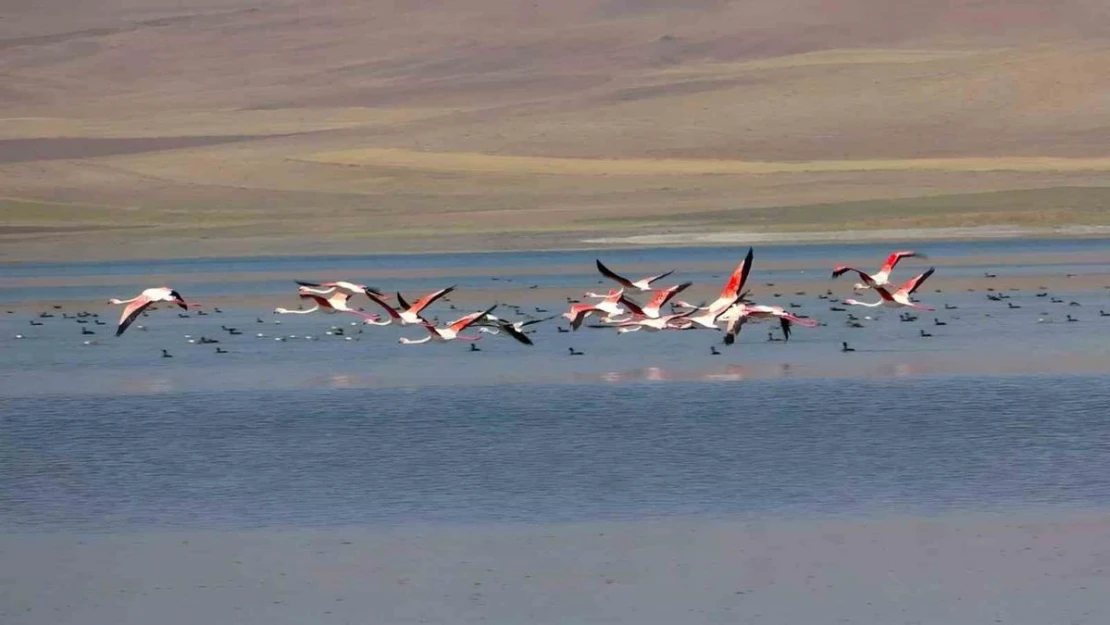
535	321
739	277
321	302
516	334
894	257
608	273
463	323
132	312
663	296
651	279
866	277
425	301
732	330
631	305
378	299
913	283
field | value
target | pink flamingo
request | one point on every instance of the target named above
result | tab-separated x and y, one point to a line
882	278
898	299
451	331
136	305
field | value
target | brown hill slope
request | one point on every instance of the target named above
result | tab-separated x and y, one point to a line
389	123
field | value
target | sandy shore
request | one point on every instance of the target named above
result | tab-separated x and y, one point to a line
1006	568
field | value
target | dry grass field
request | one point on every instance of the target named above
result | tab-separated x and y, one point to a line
132	128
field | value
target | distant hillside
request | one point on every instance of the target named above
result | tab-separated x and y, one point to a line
254	122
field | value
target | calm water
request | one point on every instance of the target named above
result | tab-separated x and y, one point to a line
543	453
993	411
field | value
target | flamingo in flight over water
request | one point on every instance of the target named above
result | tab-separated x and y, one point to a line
641	321
136	305
643	284
451	331
897	299
611	306
742	313
337	302
730	294
408	314
515	329
323	288
882	277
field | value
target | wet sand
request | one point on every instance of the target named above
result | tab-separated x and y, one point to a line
1014	568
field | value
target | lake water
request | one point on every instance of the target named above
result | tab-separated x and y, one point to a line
542	453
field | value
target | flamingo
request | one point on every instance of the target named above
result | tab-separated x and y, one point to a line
451	331
882	278
730	294
677	321
408	314
643	284
898	299
739	314
337	302
611	305
136	305
323	288
494	325
639	320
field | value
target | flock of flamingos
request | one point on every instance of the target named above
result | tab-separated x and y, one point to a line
730	311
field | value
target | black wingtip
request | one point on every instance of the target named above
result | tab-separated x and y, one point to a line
303	283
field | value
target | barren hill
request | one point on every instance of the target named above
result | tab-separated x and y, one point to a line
363	125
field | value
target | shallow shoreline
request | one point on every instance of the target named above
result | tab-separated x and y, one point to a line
1021	568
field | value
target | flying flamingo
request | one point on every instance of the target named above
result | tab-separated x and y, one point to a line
495	325
611	306
408	314
336	302
136	305
643	284
898	299
323	288
739	314
677	321
451	331
882	278
729	295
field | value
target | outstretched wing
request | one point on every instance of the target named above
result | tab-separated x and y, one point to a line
893	259
739	277
131	313
662	296
651	279
912	284
631	305
463	323
380	301
866	277
513	332
425	301
608	273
